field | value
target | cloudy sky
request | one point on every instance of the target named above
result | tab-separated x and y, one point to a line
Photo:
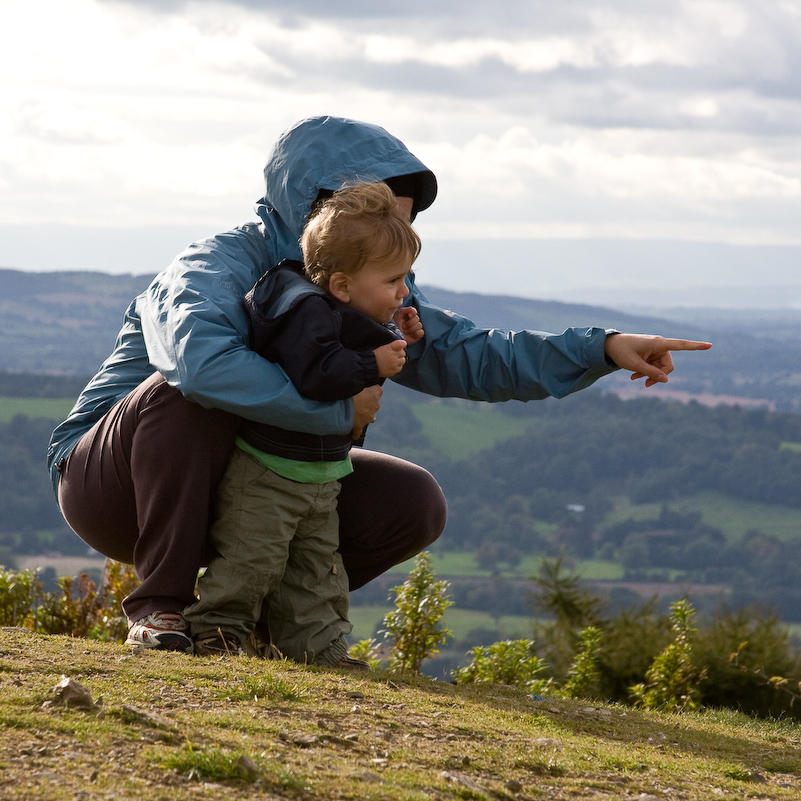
645	147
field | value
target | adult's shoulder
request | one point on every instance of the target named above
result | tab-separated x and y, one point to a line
246	240
236	258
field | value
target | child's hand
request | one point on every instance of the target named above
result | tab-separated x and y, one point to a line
408	321
390	358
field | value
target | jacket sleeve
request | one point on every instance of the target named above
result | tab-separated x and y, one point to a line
308	347
196	334
455	359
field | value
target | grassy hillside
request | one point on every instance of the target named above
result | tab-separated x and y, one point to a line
461	429
50	408
732	516
175	727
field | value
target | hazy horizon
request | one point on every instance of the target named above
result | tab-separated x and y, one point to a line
617	273
647	153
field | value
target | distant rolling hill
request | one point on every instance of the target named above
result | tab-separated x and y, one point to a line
513	313
63	322
66	322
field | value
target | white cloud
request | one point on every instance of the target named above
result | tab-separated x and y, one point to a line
63	121
535	55
620	185
544	119
699	106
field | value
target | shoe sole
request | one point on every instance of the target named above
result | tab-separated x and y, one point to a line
165	642
360	668
231	650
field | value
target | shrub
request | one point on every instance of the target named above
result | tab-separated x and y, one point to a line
68	614
511	662
743	653
414	625
582	678
572	609
78	608
632	639
672	681
18	594
368	651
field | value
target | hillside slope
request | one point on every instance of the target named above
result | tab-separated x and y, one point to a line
175	727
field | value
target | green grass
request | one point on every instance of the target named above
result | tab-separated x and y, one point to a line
733	517
173	727
599	570
458	563
50	408
461	622
461	429
445	563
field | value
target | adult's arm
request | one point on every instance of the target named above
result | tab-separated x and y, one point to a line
647	356
457	359
196	334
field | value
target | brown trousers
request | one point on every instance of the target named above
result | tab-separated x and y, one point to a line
139	488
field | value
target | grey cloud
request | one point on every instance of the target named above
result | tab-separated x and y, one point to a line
744	74
451	18
623	97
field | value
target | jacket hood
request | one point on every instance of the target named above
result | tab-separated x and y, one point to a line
273	295
324	153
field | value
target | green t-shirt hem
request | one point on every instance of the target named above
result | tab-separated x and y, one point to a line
294	470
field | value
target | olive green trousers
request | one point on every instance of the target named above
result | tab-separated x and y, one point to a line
277	542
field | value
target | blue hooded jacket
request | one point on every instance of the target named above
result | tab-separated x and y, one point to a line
190	326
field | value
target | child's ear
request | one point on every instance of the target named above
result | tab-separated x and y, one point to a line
338	287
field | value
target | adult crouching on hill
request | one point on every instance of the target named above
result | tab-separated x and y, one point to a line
136	463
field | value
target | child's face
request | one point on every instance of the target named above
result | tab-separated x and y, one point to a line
378	289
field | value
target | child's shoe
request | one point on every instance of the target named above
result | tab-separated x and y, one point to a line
218	643
349	663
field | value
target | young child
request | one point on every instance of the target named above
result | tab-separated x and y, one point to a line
336	327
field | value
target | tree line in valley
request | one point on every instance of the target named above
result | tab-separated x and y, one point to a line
546	492
550	491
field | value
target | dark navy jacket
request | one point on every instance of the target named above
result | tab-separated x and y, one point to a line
325	347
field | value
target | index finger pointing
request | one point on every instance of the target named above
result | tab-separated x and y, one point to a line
686	344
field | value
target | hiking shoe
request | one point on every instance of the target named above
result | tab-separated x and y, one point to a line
218	643
162	631
258	648
349	663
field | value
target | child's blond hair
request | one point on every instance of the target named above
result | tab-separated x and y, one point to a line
359	223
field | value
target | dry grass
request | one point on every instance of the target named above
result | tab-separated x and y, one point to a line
170	726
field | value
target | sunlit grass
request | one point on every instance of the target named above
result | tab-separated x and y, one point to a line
463	429
459	563
367	619
165	730
49	408
733	517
